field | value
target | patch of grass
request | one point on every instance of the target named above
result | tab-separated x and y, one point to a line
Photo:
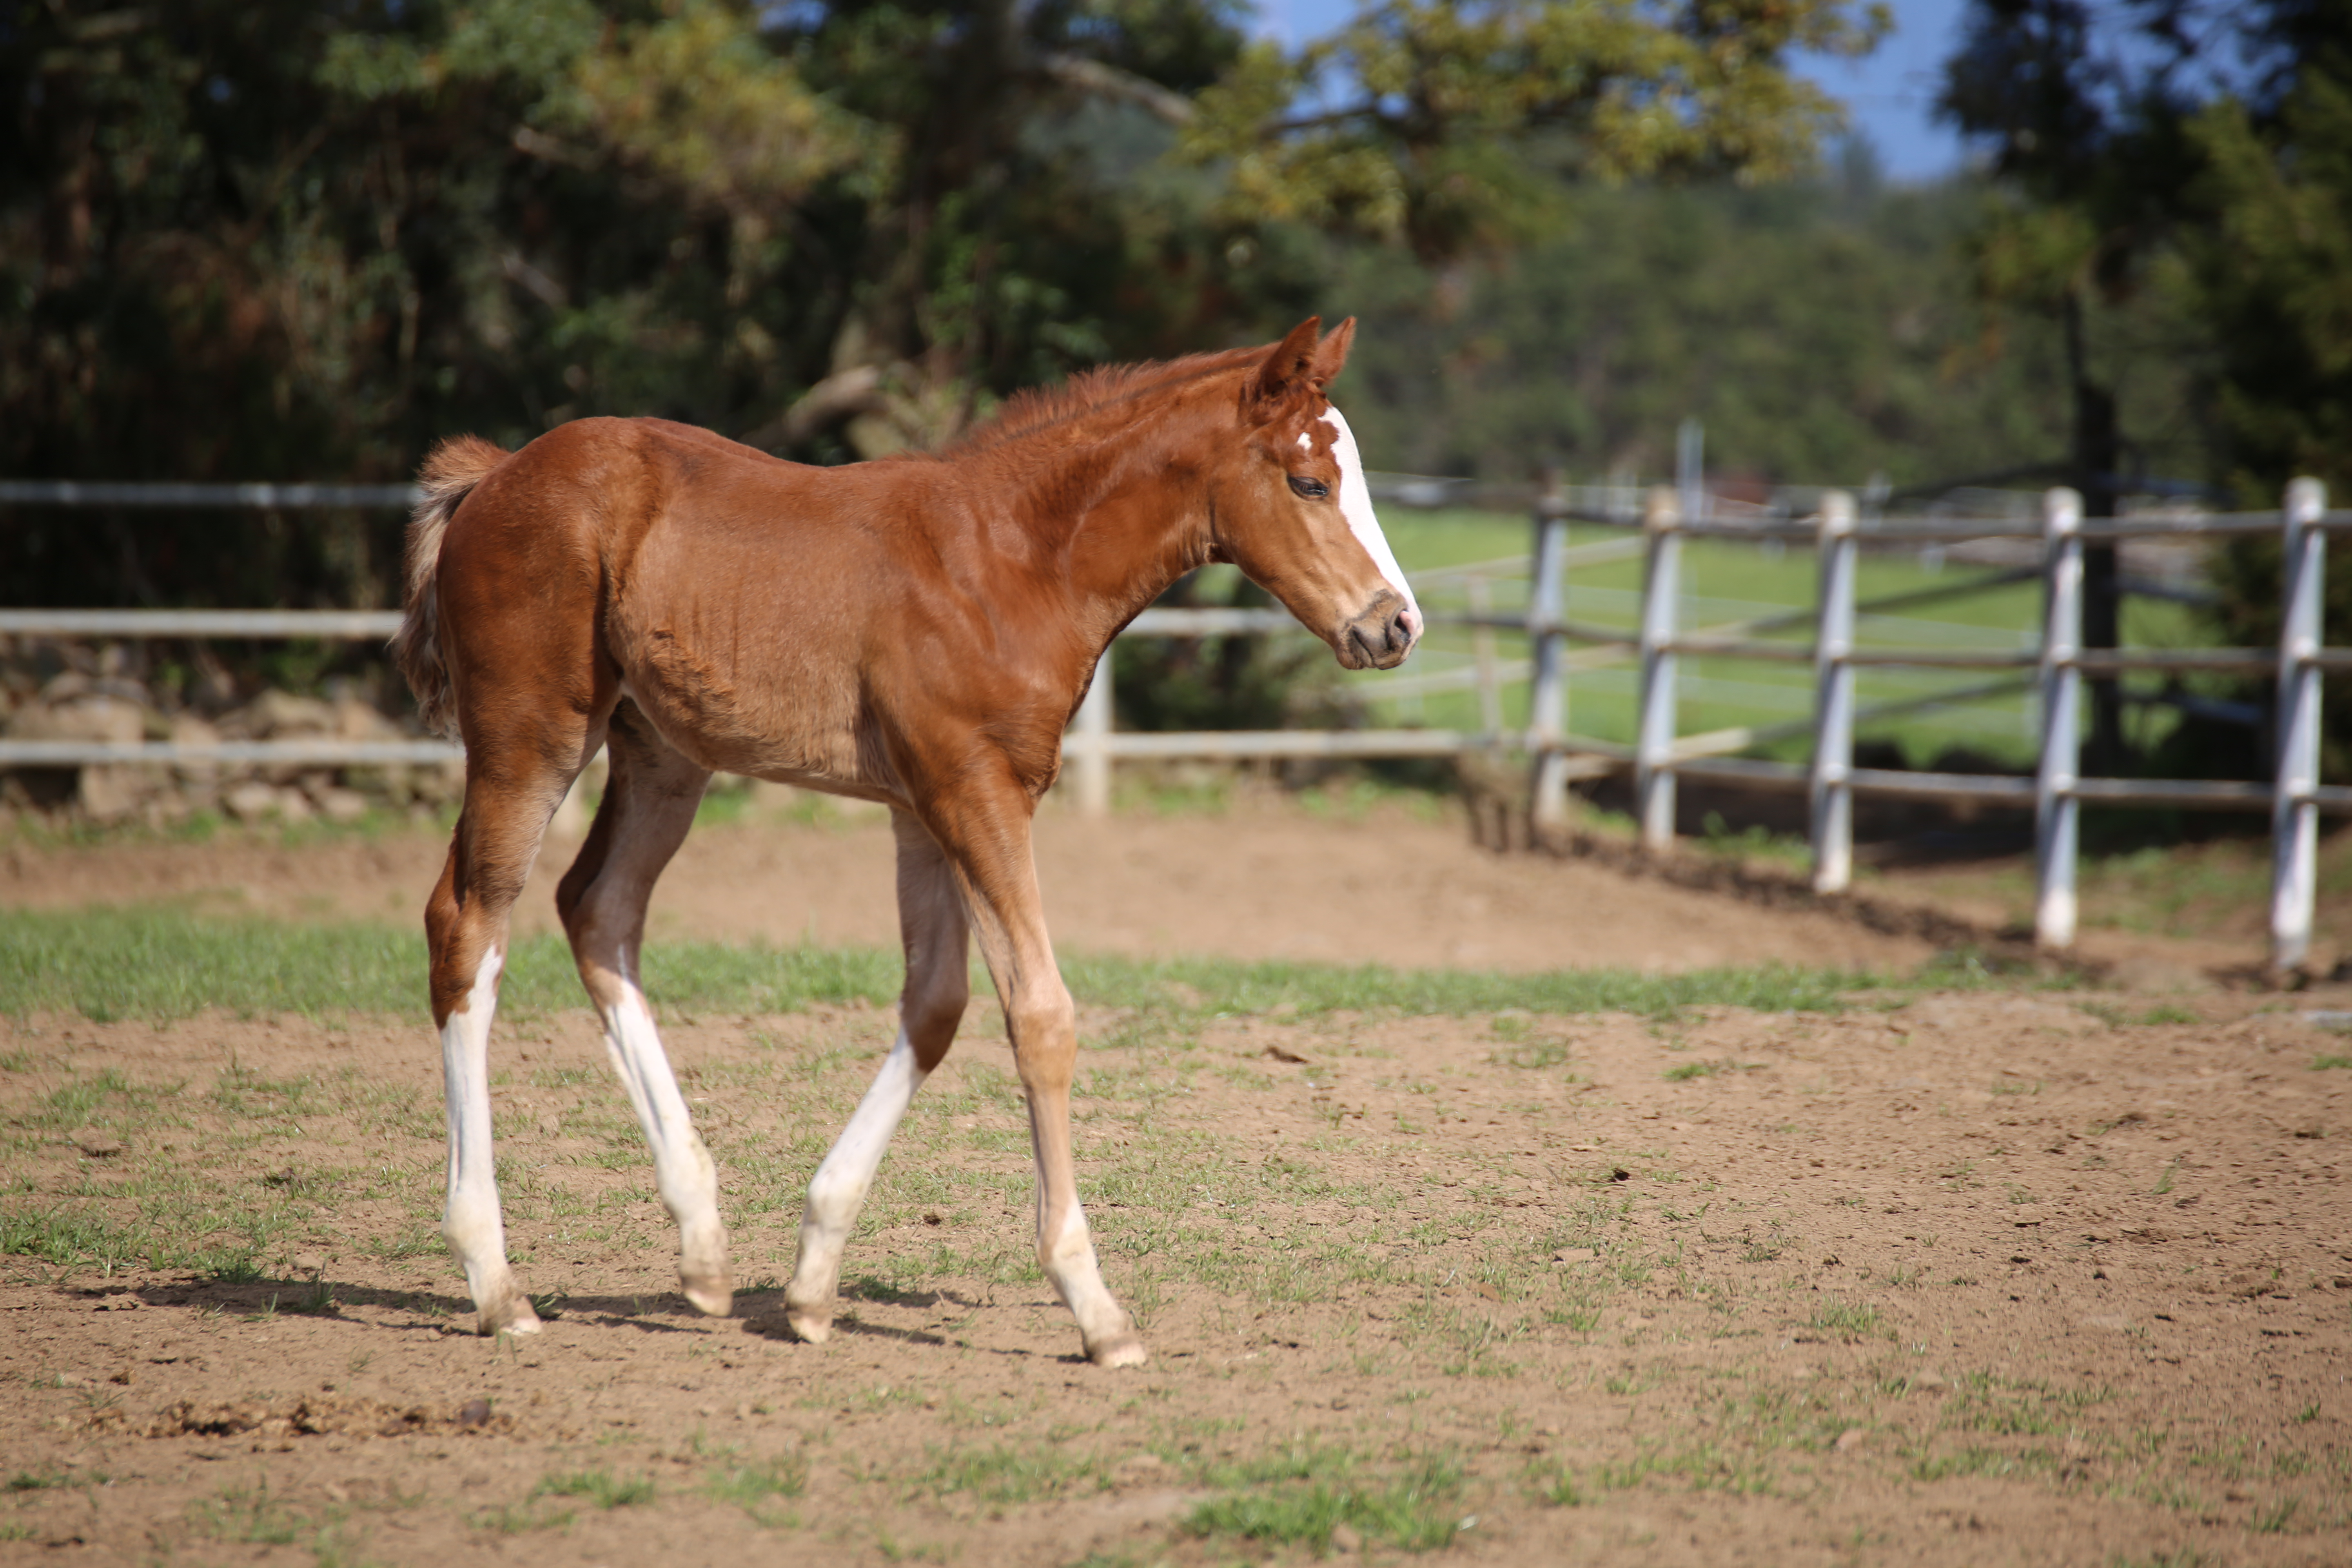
1231	985
2322	1064
1989	1462
2275	1519
522	1519
753	1488
1690	1070
1005	1474
67	1237
1847	1320
1702	1466
164	963
1299	1499
601	1487
254	1516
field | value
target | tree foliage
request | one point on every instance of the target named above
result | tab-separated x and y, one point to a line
2194	147
276	240
1448	122
1822	330
2202	148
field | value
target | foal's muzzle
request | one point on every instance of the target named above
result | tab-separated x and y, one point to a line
1380	636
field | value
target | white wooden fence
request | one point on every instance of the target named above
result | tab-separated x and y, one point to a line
1660	754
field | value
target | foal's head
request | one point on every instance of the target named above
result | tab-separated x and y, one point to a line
1294	512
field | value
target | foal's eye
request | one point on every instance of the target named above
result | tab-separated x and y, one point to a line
1313	489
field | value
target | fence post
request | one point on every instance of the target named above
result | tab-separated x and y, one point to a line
1092	733
1548	693
1654	747
1831	783
2294	815
2057	811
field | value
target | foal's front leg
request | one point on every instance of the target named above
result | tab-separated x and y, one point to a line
988	840
937	984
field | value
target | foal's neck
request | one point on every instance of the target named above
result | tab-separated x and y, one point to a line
1120	509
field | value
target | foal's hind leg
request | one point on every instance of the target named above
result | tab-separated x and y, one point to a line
931	925
649	801
509	799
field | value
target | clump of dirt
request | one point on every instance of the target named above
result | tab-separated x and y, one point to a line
273	1427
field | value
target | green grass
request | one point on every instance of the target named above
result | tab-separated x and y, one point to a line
1299	1499
1723	581
254	1516
601	1487
755	1486
1006	1473
1847	1320
1690	1070
67	1237
161	964
167	964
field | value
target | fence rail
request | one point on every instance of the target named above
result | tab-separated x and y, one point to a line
1558	645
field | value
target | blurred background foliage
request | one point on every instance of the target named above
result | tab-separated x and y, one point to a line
260	239
266	240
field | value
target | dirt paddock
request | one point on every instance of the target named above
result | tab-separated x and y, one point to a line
2009	1274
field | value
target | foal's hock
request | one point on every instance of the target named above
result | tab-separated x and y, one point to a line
916	631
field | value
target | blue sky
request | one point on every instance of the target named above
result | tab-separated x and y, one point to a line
1888	95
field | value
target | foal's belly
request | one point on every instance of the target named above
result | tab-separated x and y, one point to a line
793	721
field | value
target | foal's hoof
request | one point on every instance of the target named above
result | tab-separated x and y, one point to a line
808	1328
712	1295
512	1316
1118	1349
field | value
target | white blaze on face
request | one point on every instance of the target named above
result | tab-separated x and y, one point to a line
1356	506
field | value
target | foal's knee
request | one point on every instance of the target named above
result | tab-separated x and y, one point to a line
931	1018
1044	1038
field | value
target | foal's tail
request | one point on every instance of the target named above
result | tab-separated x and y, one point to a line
450	472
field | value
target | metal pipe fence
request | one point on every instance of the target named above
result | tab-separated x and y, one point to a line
1558	646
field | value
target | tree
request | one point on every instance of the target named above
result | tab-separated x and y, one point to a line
1451	124
270	239
2200	147
2094	149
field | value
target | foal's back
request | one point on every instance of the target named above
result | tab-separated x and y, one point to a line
757	612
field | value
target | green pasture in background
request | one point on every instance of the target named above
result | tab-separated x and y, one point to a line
159	964
1725	580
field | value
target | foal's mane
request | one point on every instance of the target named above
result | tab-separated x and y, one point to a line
1037	408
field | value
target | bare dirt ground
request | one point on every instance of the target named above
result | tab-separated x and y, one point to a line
1385	886
2004	1275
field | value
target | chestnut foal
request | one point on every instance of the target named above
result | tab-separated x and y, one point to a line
917	631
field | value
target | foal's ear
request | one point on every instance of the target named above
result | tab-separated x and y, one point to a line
1331	354
1291	364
